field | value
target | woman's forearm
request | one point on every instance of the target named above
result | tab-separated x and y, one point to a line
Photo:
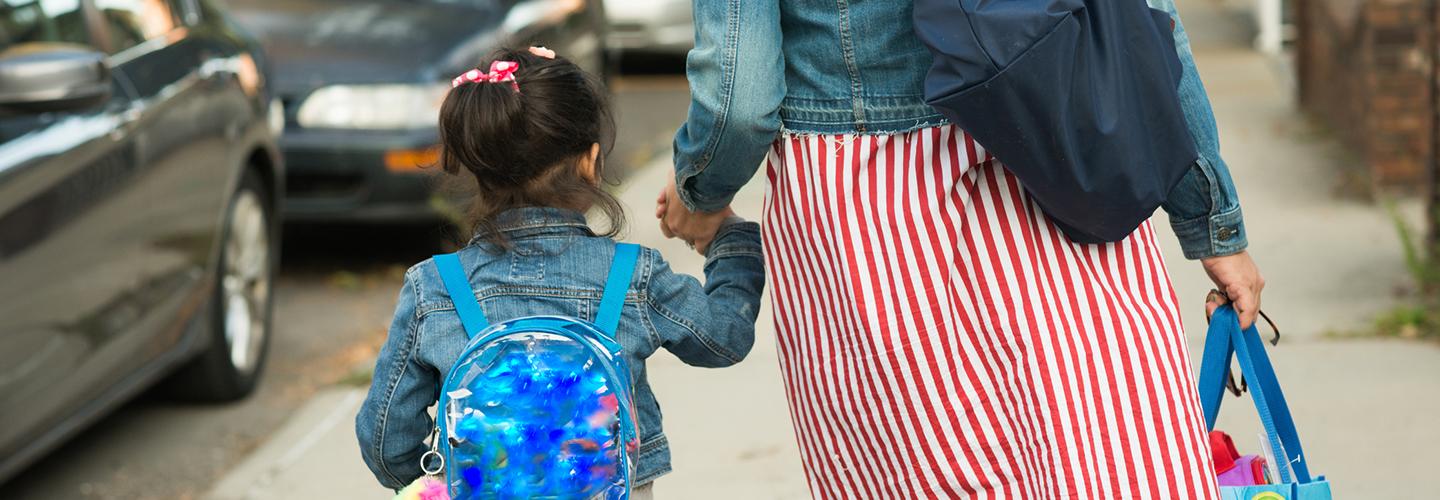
1204	207
737	81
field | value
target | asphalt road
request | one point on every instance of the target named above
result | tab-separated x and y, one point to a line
334	299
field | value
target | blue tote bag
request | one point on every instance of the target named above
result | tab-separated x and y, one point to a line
1224	339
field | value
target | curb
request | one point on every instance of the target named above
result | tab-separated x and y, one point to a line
312	456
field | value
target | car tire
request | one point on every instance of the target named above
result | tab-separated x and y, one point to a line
241	305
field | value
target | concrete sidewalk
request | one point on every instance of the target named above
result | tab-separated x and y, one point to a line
1366	408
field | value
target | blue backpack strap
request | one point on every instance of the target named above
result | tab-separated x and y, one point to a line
616	286
457	282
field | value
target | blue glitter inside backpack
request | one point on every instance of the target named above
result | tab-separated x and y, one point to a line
538	407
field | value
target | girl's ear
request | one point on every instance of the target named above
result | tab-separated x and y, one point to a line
588	164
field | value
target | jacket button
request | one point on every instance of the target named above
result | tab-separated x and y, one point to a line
1225	233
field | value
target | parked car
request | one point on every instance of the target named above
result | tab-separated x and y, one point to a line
658	27
362	82
139	184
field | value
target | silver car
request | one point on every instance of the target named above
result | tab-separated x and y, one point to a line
651	26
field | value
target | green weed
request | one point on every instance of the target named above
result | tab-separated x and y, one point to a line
1420	315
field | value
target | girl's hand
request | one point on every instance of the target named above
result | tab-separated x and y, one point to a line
1238	280
662	204
677	221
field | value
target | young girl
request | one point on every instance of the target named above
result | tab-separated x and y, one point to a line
530	131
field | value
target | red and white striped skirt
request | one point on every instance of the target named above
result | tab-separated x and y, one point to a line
940	338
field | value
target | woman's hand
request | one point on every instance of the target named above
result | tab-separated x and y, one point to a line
1238	280
677	221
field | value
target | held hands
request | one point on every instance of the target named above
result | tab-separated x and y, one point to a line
1237	280
697	229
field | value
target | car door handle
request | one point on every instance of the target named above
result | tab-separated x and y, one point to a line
129	119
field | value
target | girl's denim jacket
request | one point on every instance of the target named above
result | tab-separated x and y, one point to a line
557	266
855	66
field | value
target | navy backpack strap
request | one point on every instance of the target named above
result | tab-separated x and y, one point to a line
616	286
457	282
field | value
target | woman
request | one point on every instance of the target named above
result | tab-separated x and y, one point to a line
939	337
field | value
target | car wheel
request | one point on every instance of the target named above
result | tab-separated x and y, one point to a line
241	308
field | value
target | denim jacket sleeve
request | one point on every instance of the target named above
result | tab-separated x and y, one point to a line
393	422
711	325
734	115
1204	208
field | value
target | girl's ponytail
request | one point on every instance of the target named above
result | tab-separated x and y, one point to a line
519	128
476	115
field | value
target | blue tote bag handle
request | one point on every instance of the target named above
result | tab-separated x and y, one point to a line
1226	338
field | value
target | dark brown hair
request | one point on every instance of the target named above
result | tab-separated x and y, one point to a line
522	147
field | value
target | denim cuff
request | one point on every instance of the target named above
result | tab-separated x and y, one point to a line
696	201
654	459
735	238
1212	236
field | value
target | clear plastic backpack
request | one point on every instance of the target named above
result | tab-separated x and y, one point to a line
537	407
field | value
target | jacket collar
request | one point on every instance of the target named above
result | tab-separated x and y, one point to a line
529	222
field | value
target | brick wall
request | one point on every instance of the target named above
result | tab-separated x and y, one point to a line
1365	68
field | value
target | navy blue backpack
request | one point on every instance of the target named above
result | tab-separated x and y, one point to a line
1077	97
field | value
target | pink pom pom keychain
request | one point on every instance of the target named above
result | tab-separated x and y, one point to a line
425	488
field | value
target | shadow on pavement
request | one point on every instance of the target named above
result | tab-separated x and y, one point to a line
633	64
311	249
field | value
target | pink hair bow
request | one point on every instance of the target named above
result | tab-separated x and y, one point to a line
500	71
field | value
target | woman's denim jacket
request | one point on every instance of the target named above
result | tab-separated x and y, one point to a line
557	266
855	66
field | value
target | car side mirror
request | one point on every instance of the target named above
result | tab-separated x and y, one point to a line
40	77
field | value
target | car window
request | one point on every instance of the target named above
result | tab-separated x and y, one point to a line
40	21
131	22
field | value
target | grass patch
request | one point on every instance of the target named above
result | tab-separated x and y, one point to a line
1409	322
359	377
1419	315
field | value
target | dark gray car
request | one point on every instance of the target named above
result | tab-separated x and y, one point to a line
362	82
139	184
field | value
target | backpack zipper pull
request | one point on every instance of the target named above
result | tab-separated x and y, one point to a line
434	452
